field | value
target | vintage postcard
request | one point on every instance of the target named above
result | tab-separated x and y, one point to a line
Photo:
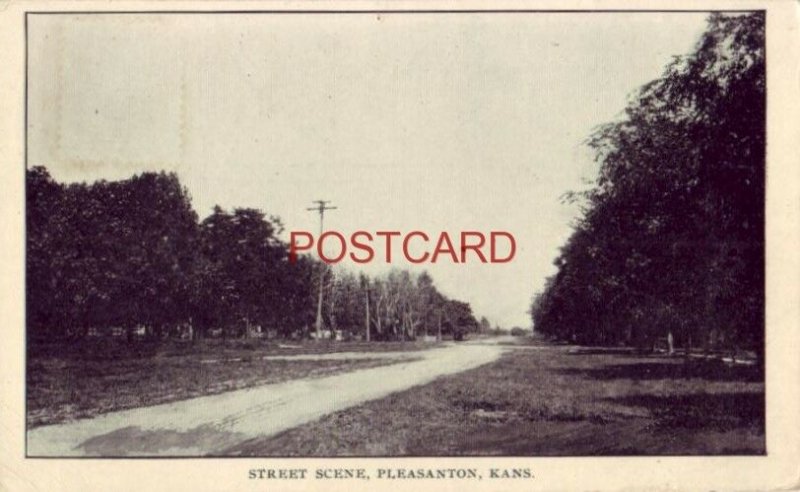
313	246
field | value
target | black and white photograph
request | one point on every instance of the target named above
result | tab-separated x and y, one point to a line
389	234
305	245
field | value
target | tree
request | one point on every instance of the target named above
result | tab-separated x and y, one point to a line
46	228
131	254
671	241
242	273
107	254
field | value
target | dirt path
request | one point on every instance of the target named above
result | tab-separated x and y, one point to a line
326	356
208	425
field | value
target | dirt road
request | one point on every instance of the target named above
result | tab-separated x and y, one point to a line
211	424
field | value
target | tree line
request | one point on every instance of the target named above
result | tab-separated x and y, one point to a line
397	306
670	244
132	255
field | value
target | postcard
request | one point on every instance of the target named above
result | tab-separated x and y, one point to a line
367	245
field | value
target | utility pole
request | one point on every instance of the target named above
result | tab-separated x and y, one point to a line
321	208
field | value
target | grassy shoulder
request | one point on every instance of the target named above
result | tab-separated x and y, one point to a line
550	400
99	376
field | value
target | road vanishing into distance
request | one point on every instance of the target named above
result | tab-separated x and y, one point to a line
209	425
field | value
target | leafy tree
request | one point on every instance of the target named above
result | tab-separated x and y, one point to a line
672	236
46	228
131	254
241	272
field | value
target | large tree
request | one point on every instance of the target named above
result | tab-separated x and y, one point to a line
672	238
131	254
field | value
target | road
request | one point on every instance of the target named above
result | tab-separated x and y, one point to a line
209	425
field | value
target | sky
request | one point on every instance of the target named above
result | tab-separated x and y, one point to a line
431	122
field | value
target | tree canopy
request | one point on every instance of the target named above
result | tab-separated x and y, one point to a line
671	238
133	255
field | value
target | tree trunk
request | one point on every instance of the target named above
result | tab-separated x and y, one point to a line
688	349
366	297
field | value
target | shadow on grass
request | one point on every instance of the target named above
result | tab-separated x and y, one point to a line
696	411
662	368
603	351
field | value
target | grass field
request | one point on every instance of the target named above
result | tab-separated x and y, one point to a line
550	400
97	376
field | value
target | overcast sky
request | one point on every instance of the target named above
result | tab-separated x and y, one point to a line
406	122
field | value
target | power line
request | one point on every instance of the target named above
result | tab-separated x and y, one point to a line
322	206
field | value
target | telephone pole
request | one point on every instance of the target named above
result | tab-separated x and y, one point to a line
321	208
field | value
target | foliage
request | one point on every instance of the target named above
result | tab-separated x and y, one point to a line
402	306
672	235
131	255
